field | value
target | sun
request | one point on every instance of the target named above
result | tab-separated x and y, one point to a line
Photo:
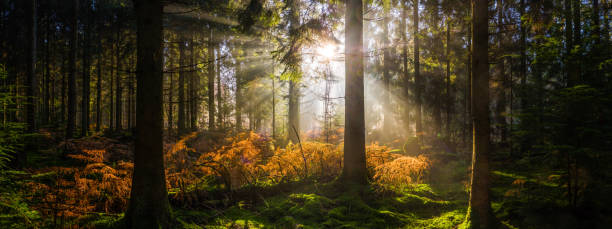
326	51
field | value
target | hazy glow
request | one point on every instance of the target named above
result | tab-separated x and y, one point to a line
327	51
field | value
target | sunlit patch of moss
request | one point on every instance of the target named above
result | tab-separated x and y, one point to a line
446	220
101	221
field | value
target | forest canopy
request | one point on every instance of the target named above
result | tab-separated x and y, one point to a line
305	114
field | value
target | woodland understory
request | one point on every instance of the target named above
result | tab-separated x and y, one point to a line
305	114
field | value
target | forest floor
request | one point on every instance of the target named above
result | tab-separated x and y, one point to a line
89	188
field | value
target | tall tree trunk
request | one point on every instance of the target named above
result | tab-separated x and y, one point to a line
577	68
149	206
238	105
479	212
354	170
569	44
72	72
211	81
118	85
523	48
449	96
219	89
47	80
181	88
406	76
100	51
86	73
111	94
31	85
293	127
468	84
387	129
99	89
193	88
171	103
501	97
417	74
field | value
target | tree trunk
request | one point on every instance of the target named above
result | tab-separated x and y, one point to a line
193	86
417	74
219	89
354	170
72	73
479	212
149	206
577	68
31	85
86	73
181	88
406	76
449	96
293	125
569	44
501	97
118	85
99	89
238	105
211	81
386	102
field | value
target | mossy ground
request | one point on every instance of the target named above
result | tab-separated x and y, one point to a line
326	206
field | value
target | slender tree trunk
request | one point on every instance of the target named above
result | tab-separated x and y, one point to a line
238	105
149	206
293	126
406	76
65	72
99	89
219	89
468	84
86	74
417	74
193	88
569	44
479	212
171	100
211	81
31	85
523	48
118	85
449	96
47	84
576	75
111	94
387	129
501	100
181	88
354	170
70	128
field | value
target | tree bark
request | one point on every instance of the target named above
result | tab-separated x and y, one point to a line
118	85
70	128
406	76
149	206
354	170
479	212
211	81
417	74
386	101
31	85
181	88
293	126
86	73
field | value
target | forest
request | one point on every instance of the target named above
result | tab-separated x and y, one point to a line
305	114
